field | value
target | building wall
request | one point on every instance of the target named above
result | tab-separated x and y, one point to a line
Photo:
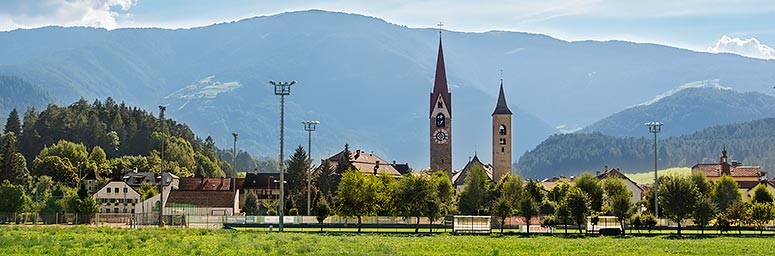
117	197
501	146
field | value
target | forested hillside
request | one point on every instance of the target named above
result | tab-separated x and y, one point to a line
129	137
569	154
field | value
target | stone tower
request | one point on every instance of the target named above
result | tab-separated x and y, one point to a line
441	119
501	138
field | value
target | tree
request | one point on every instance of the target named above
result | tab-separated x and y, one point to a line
737	214
702	184
558	192
475	197
12	197
679	198
98	159
635	221
343	163
322	211
75	153
761	214
704	212
649	221
510	190
528	206
13	124
578	206
725	193
356	196
251	204
13	165
59	169
412	196
327	180
147	190
296	175
618	199
444	196
591	185
762	195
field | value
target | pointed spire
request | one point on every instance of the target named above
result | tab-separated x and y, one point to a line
440	83
501	107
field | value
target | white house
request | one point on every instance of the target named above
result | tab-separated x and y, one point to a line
117	197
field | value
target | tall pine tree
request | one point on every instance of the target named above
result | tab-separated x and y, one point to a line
13	165
13	124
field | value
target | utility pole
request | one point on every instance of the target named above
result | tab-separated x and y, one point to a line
309	126
234	164
282	89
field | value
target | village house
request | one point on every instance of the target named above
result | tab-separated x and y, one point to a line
459	178
747	177
203	196
637	190
117	197
369	163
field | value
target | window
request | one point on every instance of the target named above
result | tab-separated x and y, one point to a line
440	122
502	130
107	210
108	190
503	150
440	105
125	190
133	210
125	210
503	141
112	200
115	210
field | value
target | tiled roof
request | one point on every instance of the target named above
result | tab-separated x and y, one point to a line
138	178
260	181
221	199
204	184
365	162
748	184
714	170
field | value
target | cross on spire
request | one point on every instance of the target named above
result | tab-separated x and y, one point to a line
440	25
501	76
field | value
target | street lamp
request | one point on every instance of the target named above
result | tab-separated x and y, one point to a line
161	168
234	162
655	127
309	126
282	89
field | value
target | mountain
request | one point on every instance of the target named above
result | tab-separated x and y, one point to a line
570	154
19	94
691	108
365	79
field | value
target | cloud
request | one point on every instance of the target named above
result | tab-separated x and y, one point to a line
37	13
749	47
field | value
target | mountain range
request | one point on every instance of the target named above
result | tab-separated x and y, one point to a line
365	79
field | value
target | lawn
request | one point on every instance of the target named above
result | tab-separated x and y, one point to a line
648	177
25	240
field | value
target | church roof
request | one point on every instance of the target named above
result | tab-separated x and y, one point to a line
460	177
501	107
365	162
440	83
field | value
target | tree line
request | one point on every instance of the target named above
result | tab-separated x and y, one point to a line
572	153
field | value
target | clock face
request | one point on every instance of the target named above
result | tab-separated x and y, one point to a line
440	136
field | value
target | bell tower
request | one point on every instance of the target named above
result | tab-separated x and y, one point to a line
501	138
441	119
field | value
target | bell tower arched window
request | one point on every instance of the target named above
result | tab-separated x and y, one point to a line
440	120
502	130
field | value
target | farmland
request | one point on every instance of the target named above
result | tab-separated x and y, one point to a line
25	240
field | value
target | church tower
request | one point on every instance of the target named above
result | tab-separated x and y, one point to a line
501	138
441	119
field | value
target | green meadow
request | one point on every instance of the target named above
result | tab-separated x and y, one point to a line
26	240
648	177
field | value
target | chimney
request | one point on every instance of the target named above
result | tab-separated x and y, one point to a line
376	167
357	154
597	173
394	162
605	168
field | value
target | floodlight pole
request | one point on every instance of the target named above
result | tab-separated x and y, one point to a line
655	127
282	89
161	169
309	126
234	163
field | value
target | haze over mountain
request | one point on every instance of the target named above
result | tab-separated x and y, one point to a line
749	143
365	79
691	108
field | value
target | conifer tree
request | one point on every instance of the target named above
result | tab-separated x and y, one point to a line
13	165
13	124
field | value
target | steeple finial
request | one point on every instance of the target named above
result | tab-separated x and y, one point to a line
440	25
501	77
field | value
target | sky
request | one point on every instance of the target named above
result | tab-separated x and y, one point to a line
739	26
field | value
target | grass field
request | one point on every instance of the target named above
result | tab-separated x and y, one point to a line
648	177
24	240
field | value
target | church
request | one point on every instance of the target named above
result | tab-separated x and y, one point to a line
440	129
